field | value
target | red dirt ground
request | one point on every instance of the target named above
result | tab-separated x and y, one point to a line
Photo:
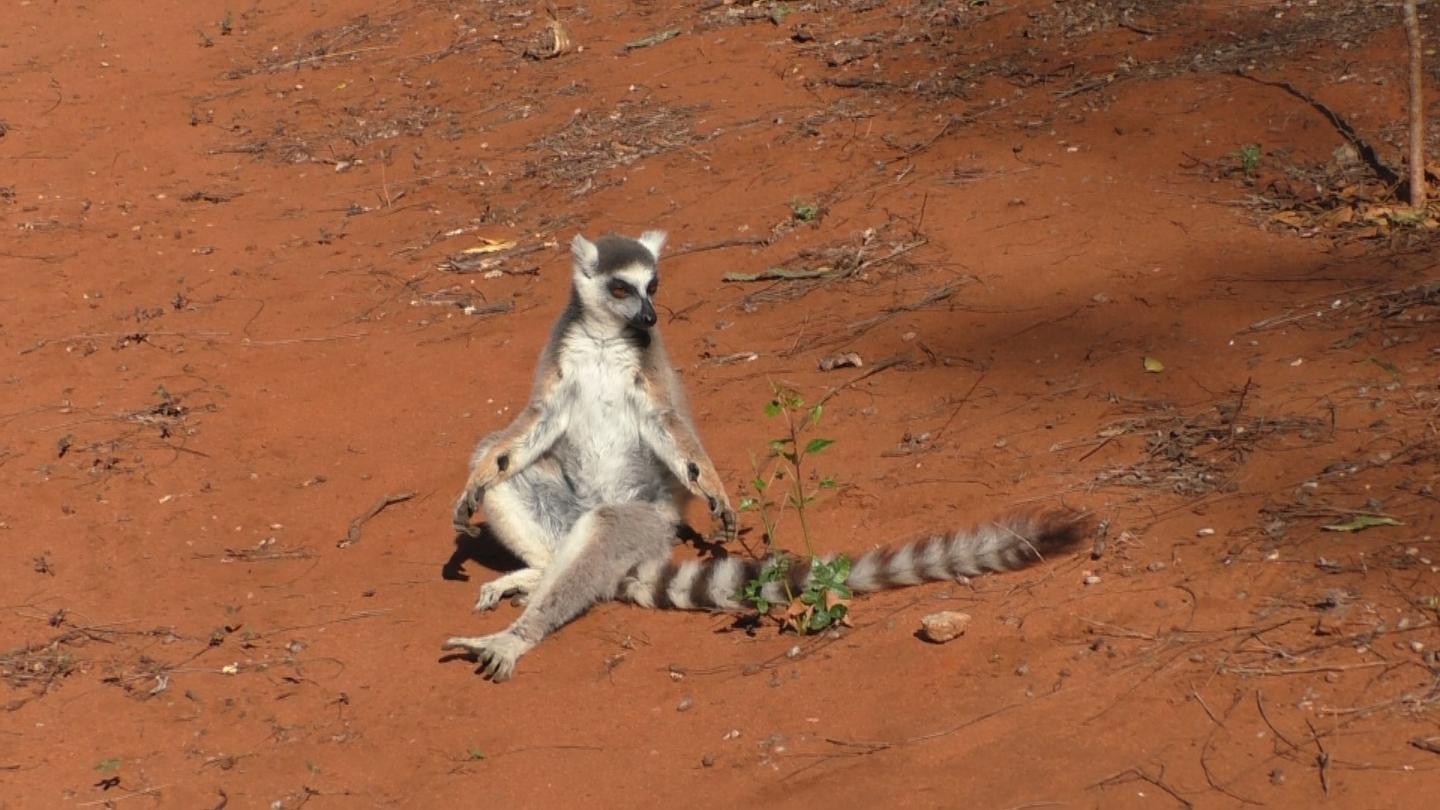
229	331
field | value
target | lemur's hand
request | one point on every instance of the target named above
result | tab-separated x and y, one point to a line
465	509
706	483
730	524
724	516
488	471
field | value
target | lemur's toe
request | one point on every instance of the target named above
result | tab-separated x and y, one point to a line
490	597
497	653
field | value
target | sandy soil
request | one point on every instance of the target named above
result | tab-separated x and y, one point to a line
238	312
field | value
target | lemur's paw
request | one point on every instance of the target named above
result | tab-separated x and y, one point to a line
497	653
725	516
464	510
490	597
517	583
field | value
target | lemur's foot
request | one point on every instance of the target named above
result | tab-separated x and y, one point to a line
517	583
497	654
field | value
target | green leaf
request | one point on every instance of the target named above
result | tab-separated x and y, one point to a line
815	413
759	484
772	408
1153	366
774	570
747	504
828	482
476	753
109	765
1360	523
816	445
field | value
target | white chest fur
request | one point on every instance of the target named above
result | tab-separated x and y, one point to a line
602	436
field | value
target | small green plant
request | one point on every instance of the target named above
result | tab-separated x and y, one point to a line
475	754
804	211
109	765
780	483
826	598
774	571
1249	155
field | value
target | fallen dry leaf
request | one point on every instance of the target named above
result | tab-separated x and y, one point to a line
490	246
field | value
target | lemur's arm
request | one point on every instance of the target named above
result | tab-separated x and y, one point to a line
527	438
517	446
672	438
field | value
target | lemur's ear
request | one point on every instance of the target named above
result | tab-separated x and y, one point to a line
653	241
587	256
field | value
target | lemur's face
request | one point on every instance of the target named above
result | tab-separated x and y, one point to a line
618	277
630	294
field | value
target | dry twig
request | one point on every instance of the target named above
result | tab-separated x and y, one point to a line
352	535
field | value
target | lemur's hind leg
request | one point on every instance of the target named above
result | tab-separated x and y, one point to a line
530	515
604	545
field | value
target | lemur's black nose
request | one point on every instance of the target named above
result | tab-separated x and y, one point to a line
645	318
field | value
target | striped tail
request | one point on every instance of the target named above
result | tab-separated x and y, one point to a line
1006	545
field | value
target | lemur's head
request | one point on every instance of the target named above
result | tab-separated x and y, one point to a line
616	276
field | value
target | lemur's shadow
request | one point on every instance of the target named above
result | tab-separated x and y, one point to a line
487	550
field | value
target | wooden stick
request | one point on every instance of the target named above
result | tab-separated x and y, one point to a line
352	535
1417	108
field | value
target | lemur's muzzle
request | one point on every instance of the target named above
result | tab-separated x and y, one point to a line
645	318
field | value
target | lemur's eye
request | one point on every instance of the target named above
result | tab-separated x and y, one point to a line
619	291
653	286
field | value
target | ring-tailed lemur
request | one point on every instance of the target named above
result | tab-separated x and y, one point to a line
587	486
